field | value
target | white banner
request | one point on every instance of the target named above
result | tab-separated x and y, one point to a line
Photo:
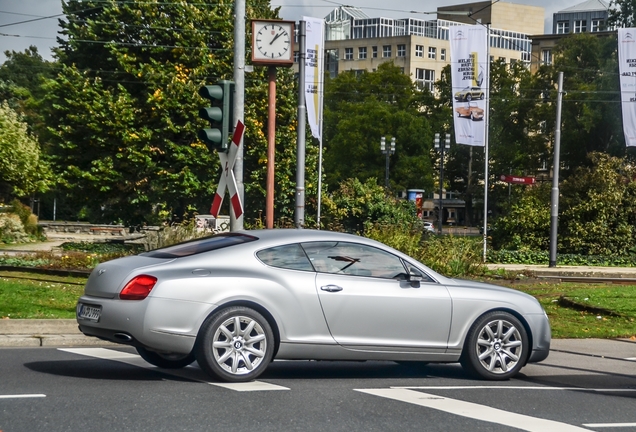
627	70
469	77
314	72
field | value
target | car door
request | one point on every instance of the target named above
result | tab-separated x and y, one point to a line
368	302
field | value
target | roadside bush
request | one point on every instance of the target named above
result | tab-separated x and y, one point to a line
453	256
449	255
543	258
11	229
28	219
355	204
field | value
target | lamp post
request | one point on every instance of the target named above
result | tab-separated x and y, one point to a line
441	149
388	152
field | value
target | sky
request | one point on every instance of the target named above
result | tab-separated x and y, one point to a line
16	35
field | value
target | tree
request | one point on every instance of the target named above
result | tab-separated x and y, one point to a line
22	76
22	170
597	212
622	13
362	108
126	103
591	110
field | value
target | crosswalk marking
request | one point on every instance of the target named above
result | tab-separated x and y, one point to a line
473	410
20	396
609	425
188	373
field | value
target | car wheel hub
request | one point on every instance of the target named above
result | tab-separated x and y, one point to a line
499	346
239	345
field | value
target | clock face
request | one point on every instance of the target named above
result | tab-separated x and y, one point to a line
272	41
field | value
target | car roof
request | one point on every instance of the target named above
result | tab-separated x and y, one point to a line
280	235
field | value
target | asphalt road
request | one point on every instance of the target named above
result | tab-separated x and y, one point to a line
583	385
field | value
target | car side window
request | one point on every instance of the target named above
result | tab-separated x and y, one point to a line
353	259
290	257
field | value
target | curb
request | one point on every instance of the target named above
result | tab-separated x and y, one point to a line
43	332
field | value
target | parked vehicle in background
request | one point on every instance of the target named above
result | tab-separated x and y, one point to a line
428	226
235	301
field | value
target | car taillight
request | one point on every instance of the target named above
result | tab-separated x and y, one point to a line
138	288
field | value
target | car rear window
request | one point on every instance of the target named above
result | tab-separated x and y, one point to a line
197	246
290	257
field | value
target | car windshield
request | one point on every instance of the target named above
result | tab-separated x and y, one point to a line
200	245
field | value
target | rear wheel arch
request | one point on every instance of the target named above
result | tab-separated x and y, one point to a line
252	305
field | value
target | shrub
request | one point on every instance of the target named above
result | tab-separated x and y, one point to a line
453	256
11	229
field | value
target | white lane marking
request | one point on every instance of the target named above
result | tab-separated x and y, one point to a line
135	360
21	396
609	425
102	353
516	388
473	410
250	386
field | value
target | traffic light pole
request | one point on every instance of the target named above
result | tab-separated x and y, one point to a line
236	223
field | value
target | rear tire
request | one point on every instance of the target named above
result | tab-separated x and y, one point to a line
496	347
235	345
166	360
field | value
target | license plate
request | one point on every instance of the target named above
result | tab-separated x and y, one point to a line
91	313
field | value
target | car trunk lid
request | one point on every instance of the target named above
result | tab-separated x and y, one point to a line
107	279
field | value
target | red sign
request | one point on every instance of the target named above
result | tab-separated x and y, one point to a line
227	180
517	180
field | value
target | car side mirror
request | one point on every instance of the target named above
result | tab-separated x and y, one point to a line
414	279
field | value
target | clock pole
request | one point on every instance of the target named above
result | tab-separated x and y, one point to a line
271	151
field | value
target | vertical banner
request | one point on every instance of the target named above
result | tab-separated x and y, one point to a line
314	72
469	77
627	70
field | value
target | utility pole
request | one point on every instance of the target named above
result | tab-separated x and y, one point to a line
554	206
388	152
299	214
236	223
441	149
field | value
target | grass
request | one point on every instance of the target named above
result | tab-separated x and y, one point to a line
30	296
581	310
576	310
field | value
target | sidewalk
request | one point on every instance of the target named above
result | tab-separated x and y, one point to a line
627	273
44	332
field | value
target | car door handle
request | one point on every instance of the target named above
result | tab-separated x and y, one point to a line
331	288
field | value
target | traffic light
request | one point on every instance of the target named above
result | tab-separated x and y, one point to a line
219	115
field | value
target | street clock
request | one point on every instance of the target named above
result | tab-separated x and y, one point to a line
272	42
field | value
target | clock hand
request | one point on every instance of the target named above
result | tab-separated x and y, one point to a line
276	37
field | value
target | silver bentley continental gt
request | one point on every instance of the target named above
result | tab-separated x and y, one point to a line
235	301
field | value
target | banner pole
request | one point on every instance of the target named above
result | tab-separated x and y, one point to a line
487	123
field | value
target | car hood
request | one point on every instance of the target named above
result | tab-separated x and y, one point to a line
108	279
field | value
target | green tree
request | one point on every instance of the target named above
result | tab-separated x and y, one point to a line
22	76
599	208
597	212
125	118
22	170
362	108
591	110
622	13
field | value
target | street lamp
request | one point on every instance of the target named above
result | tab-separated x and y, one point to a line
441	149
388	152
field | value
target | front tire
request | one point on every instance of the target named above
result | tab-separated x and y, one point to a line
235	345
469	97
166	360
496	347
